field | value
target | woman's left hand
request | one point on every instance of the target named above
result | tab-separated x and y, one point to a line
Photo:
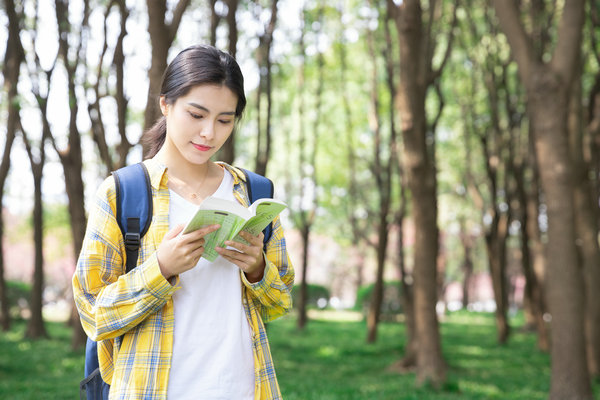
248	257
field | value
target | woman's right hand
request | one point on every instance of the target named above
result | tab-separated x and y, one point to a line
179	253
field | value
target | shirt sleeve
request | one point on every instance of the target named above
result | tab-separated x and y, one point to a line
109	301
272	295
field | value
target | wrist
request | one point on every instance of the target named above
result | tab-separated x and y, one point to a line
257	273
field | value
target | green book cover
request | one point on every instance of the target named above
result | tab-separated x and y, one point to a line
233	218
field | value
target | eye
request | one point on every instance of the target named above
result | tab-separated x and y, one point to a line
195	116
226	121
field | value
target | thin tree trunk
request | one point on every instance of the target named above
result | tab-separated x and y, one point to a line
13	59
263	142
465	238
587	230
302	317
162	34
227	151
35	327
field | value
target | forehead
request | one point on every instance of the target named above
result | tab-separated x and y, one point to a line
213	97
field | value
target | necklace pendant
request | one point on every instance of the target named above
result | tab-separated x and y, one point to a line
193	195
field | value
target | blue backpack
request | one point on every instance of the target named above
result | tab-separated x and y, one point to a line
134	215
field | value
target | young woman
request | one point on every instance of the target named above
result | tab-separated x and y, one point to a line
177	326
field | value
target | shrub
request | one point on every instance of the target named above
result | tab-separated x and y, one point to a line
18	294
391	304
314	293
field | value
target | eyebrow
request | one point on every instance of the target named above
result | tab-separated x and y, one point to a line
208	111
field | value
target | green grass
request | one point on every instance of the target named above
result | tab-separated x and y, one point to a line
39	369
327	361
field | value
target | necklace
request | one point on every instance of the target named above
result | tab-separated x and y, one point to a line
185	188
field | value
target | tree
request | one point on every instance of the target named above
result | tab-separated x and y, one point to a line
162	34
548	85
263	60
70	156
113	158
227	152
11	67
304	218
382	168
35	326
417	75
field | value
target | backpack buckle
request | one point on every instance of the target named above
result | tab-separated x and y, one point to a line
132	241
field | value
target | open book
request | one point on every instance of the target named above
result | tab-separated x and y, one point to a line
233	218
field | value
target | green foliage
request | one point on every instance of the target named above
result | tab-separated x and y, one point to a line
391	305
18	294
314	293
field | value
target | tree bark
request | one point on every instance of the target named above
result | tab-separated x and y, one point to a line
419	166
13	58
587	230
263	59
35	327
162	34
71	156
547	86
307	157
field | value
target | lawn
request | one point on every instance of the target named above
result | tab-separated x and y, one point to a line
328	360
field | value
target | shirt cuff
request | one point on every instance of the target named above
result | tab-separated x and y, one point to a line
270	275
154	280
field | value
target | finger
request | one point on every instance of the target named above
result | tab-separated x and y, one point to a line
255	240
200	233
235	255
174	232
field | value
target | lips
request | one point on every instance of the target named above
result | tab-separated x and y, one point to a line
201	147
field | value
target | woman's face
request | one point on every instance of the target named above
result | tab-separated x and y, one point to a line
200	122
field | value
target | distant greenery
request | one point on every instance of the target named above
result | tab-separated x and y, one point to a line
18	294
392	301
327	361
314	292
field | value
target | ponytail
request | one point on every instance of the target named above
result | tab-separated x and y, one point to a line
154	138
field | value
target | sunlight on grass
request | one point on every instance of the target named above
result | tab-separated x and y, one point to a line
329	360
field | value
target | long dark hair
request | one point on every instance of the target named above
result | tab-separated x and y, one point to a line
196	65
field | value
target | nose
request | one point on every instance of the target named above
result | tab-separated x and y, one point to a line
208	130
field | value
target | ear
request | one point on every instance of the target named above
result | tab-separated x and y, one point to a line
164	107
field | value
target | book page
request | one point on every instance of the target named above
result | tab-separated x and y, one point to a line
230	226
266	210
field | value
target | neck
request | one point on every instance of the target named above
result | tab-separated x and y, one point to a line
181	169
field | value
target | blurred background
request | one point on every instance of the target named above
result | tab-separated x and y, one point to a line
440	160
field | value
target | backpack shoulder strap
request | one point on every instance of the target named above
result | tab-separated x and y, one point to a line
259	187
134	208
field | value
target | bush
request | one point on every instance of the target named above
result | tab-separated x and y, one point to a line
314	293
18	294
391	304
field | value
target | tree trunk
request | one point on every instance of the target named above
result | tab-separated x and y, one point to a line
302	317
547	86
496	249
35	327
533	290
13	58
378	289
467	268
263	59
421	179
587	230
162	35
227	151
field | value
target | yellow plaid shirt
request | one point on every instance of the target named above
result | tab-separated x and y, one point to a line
131	315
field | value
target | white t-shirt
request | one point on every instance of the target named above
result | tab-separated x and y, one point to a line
212	346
